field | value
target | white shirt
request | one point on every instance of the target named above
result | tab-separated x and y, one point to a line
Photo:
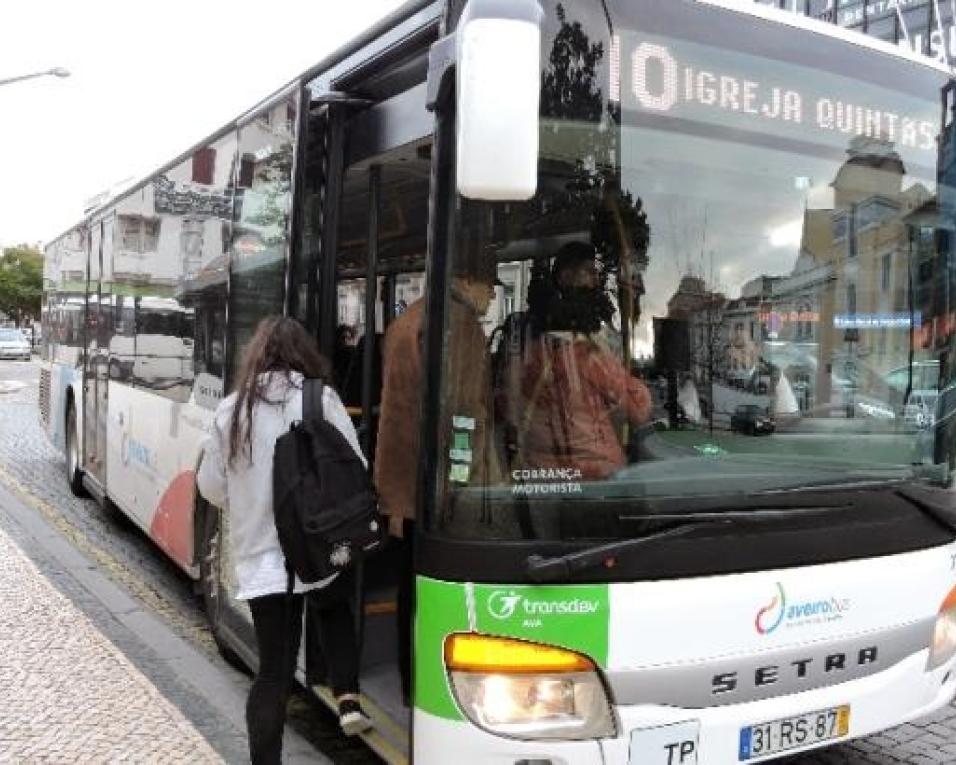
244	489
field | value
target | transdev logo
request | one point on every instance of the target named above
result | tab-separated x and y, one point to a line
779	612
503	604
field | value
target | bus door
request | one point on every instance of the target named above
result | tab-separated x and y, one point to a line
358	262
379	274
99	322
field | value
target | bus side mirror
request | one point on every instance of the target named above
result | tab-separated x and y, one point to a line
498	88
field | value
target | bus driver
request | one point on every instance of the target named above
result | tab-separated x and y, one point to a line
572	388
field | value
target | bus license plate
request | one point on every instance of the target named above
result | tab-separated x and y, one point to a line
674	744
800	730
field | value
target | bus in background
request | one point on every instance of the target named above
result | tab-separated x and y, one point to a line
767	206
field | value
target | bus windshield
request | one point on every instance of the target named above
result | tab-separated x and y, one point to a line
734	278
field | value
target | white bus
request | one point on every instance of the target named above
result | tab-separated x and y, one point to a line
767	206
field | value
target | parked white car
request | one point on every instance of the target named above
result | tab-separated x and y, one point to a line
14	345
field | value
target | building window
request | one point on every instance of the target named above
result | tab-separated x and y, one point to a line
204	165
820	9
840	225
804	324
885	272
916	21
191	240
883	28
509	299
851	13
853	227
139	234
247	168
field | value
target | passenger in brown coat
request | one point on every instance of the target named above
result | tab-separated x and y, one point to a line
397	450
397	453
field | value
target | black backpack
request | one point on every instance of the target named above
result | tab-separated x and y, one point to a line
326	511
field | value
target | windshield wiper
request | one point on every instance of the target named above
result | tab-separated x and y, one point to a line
702	512
761	505
562	567
559	569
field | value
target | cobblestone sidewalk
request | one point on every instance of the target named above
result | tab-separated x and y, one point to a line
67	694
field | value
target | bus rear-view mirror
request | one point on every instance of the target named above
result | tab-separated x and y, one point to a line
498	87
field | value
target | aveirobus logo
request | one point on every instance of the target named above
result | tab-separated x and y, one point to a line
503	604
770	616
778	611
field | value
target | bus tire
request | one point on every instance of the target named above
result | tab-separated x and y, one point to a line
74	473
210	560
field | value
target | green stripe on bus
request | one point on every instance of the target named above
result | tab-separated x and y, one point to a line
440	610
572	616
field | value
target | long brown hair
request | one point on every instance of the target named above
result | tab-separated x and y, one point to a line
280	344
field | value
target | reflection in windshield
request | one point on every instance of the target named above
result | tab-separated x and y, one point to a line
734	276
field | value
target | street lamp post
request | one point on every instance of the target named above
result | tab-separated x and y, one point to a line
55	72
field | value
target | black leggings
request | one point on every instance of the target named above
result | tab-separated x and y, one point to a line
278	623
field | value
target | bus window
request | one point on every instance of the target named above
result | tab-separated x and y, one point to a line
351	272
260	222
64	273
399	184
200	195
695	311
163	347
170	278
303	300
147	349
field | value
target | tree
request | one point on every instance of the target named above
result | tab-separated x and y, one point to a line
709	346
21	283
586	126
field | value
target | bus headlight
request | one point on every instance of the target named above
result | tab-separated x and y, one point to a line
944	634
527	690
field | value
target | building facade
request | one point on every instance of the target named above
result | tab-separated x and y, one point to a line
926	26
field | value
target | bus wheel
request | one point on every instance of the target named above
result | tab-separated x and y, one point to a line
210	560
74	474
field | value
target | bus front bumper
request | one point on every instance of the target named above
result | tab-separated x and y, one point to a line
658	735
901	693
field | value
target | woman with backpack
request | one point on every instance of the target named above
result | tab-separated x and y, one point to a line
236	474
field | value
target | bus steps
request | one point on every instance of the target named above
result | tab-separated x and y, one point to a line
386	738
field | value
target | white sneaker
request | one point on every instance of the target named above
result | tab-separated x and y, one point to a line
352	718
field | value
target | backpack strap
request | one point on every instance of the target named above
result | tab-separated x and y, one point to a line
312	410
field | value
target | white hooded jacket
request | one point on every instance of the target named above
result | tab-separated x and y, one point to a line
244	490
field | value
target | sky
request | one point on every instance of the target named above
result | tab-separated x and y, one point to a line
148	80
